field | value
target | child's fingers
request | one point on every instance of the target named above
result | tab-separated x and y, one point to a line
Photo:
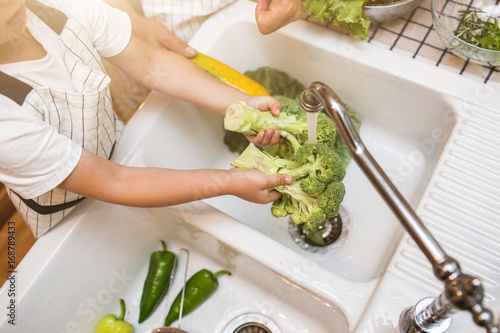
277	180
265	103
270	138
281	179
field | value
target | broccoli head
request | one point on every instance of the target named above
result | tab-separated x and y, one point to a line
304	207
307	198
317	170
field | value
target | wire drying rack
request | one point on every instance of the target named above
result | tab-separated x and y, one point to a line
413	35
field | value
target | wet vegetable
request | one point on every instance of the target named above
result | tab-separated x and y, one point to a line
229	75
197	290
161	266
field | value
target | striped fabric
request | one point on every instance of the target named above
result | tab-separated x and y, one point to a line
182	17
74	115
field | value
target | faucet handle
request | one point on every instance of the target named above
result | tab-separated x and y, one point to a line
465	292
484	318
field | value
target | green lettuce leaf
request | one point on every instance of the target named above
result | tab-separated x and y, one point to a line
346	13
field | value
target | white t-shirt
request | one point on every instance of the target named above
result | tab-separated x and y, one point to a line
34	157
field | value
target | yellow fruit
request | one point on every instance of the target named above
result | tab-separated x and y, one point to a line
229	75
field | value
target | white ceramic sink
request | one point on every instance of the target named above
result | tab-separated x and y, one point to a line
413	116
106	255
405	133
435	133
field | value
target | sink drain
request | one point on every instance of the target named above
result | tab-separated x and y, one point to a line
251	323
253	328
331	234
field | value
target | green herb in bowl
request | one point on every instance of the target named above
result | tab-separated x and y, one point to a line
479	29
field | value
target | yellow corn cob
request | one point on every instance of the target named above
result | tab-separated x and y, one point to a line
229	75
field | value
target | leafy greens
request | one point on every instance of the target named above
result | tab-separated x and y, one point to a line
345	13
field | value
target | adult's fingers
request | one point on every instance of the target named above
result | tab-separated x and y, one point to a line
174	44
272	15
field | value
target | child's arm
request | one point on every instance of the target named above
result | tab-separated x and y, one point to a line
101	179
176	76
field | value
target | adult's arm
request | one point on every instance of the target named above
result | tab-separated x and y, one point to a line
150	30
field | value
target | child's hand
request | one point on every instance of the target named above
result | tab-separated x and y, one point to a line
271	137
253	185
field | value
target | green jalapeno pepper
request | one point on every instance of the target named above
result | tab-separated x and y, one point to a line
110	324
196	291
161	265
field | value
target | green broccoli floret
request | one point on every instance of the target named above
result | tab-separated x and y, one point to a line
326	132
312	186
244	119
319	161
282	207
305	209
331	198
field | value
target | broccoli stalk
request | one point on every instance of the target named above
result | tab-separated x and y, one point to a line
244	119
253	158
247	120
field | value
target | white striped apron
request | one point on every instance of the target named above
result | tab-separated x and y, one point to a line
86	117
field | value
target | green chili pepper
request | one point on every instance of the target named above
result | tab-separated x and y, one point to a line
110	324
161	265
197	290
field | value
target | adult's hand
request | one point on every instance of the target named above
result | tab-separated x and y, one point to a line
272	15
154	33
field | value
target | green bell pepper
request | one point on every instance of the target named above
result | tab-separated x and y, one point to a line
110	324
161	265
196	291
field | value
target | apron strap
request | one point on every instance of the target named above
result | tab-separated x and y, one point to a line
13	88
54	18
49	209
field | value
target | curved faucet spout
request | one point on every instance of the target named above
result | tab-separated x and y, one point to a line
461	292
318	95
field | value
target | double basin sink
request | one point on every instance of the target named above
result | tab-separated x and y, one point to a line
434	133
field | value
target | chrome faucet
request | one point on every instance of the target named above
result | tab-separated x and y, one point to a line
461	291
